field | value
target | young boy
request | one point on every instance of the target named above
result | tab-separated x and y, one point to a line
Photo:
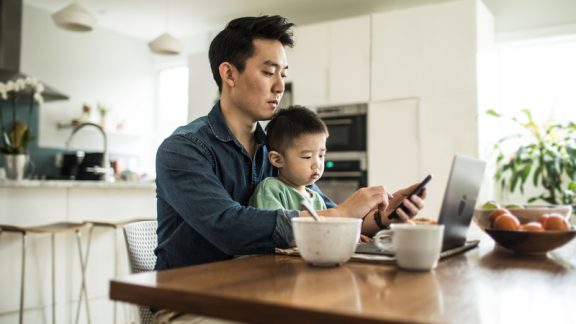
297	145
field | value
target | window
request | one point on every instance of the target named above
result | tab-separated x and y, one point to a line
172	100
171	111
539	76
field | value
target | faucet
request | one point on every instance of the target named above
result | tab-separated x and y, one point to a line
105	171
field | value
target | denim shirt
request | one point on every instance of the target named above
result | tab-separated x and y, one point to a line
204	179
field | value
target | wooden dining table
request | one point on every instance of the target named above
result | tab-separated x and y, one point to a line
485	285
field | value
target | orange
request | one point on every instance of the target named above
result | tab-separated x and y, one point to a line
496	213
506	222
532	227
542	219
556	222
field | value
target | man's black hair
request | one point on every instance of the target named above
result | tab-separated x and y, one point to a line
234	43
290	123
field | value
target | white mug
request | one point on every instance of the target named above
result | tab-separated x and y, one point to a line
417	247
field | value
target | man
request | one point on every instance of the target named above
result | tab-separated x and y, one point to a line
207	170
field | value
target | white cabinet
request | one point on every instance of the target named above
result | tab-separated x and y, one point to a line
423	97
330	62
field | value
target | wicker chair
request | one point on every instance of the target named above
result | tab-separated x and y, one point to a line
141	240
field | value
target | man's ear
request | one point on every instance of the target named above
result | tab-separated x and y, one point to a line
226	71
276	159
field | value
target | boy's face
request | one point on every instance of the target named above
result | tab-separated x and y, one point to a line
259	88
302	163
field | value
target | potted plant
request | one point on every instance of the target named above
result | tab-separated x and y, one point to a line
15	133
545	155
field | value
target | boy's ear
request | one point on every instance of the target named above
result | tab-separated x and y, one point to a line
226	71
276	159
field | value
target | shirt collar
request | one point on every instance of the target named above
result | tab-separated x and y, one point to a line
222	131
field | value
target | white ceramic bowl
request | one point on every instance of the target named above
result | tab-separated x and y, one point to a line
330	242
529	213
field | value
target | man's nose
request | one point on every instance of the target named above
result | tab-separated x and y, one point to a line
278	86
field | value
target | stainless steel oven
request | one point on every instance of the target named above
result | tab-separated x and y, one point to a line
347	127
345	164
344	173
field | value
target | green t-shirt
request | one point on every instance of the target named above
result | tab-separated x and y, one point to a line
274	194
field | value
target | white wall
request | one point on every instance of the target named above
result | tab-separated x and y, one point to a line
99	66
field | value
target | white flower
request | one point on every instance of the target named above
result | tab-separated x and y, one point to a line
10	86
4	94
38	98
39	88
20	84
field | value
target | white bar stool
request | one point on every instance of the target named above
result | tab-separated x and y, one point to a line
114	225
51	229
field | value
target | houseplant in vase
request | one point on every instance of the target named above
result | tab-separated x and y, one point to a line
16	134
543	155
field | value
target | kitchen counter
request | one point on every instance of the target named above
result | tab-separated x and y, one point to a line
38	202
77	184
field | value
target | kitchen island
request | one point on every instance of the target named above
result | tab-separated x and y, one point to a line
37	202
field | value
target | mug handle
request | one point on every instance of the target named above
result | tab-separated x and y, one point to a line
381	237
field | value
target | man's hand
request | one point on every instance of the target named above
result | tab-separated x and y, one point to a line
414	204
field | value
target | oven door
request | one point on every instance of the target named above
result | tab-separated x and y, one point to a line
344	173
338	186
347	133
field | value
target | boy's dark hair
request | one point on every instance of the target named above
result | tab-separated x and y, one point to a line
234	43
289	123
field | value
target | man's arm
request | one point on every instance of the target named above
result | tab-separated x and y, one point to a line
187	180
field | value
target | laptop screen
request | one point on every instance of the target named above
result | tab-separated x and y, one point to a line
460	198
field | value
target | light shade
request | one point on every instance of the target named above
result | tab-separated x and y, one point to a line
165	44
74	18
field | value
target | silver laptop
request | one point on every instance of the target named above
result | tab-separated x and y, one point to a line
457	208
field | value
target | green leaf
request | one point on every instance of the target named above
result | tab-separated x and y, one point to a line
536	175
527	113
492	112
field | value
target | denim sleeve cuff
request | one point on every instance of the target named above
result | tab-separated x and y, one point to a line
283	236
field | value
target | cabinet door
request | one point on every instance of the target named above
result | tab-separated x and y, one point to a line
394	143
308	65
349	69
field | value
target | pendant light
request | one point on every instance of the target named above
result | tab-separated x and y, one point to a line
74	18
165	44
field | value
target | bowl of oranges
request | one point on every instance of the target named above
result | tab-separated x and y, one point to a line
527	229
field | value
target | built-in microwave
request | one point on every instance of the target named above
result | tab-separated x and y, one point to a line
346	126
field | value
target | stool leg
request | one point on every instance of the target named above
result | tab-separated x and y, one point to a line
83	262
22	279
53	282
115	267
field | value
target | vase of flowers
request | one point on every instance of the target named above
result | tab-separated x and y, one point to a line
16	133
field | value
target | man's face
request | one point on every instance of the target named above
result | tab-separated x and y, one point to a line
259	88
